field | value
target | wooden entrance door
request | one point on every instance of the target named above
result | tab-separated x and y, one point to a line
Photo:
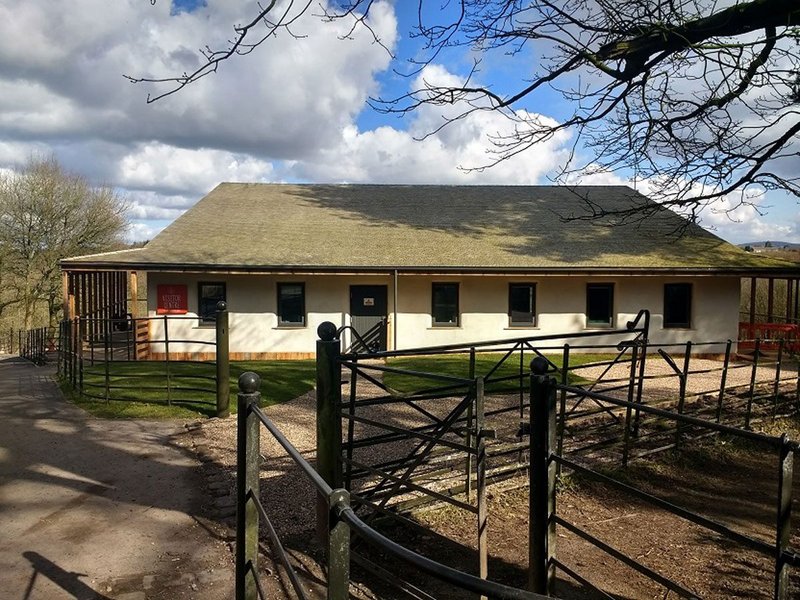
368	315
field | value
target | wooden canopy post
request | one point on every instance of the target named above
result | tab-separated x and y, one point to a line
65	295
753	292
133	286
770	300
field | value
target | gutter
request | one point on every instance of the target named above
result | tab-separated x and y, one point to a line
67	265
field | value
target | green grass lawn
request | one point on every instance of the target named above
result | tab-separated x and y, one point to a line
457	365
139	389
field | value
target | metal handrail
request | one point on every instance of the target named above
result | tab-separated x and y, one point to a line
344	512
431	567
770	440
632	328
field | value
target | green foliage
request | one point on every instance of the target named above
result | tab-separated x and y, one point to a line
139	389
779	294
47	214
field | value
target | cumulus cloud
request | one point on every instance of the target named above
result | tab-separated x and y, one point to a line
425	152
740	216
64	77
172	170
287	112
138	232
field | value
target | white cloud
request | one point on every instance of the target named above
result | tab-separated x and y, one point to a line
287	111
740	216
427	153
139	232
63	77
171	169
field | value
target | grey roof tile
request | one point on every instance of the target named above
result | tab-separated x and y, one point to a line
470	227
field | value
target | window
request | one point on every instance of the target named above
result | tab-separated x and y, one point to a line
678	305
444	304
521	304
208	294
291	304
599	304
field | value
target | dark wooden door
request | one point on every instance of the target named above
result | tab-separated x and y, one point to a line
368	313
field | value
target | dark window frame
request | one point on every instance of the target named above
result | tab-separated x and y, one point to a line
611	313
687	308
279	312
204	318
532	302
457	307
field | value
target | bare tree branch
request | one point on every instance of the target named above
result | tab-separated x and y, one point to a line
696	98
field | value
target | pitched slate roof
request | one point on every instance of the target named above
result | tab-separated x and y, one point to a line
361	227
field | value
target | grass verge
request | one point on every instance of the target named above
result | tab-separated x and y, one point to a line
140	390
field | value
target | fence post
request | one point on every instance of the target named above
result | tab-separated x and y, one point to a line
784	516
107	368
166	360
632	382
73	357
92	337
338	547
110	336
777	383
351	409
748	413
58	360
82	325
480	479
329	420
562	422
247	486
542	479
797	391
469	437
223	361
643	339
684	376
723	379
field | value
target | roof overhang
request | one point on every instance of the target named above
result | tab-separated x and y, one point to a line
232	269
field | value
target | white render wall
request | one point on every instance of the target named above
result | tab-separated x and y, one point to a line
483	300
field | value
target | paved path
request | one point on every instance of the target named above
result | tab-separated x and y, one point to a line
91	508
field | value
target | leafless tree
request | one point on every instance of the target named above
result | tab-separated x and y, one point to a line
697	97
47	214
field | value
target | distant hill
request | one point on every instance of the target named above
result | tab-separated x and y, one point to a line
772	244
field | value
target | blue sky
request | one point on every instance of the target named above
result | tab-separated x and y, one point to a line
293	110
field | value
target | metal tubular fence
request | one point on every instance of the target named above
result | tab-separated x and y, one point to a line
445	457
35	344
542	387
768	388
454	421
110	360
336	518
448	438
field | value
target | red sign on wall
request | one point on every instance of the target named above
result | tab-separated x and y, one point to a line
172	300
